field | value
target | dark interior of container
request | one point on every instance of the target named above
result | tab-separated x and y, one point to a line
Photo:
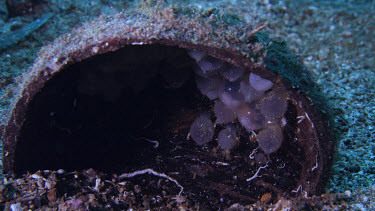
132	109
72	124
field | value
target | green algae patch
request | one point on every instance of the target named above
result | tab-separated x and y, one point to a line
280	60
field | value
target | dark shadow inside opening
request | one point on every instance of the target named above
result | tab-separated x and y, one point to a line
110	112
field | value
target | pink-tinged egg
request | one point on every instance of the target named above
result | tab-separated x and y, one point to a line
232	73
270	138
223	113
249	92
274	104
208	67
209	63
231	95
259	83
202	130
227	137
250	118
197	55
209	86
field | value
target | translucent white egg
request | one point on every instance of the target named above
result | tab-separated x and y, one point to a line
259	83
227	137
232	73
270	138
249	92
209	63
209	87
231	95
202	130
208	67
223	113
197	55
260	159
274	104
250	118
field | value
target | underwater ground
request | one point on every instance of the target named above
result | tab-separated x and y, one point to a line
334	39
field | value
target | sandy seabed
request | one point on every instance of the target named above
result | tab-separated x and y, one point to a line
334	39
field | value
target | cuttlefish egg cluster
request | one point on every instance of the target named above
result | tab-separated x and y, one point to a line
243	99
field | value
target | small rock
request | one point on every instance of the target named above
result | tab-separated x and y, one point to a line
51	195
348	193
73	204
359	207
365	199
266	197
137	189
61	171
347	34
16	207
234	206
353	169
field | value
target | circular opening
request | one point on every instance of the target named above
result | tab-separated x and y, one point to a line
133	109
112	112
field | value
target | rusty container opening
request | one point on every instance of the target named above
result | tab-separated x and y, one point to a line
120	96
